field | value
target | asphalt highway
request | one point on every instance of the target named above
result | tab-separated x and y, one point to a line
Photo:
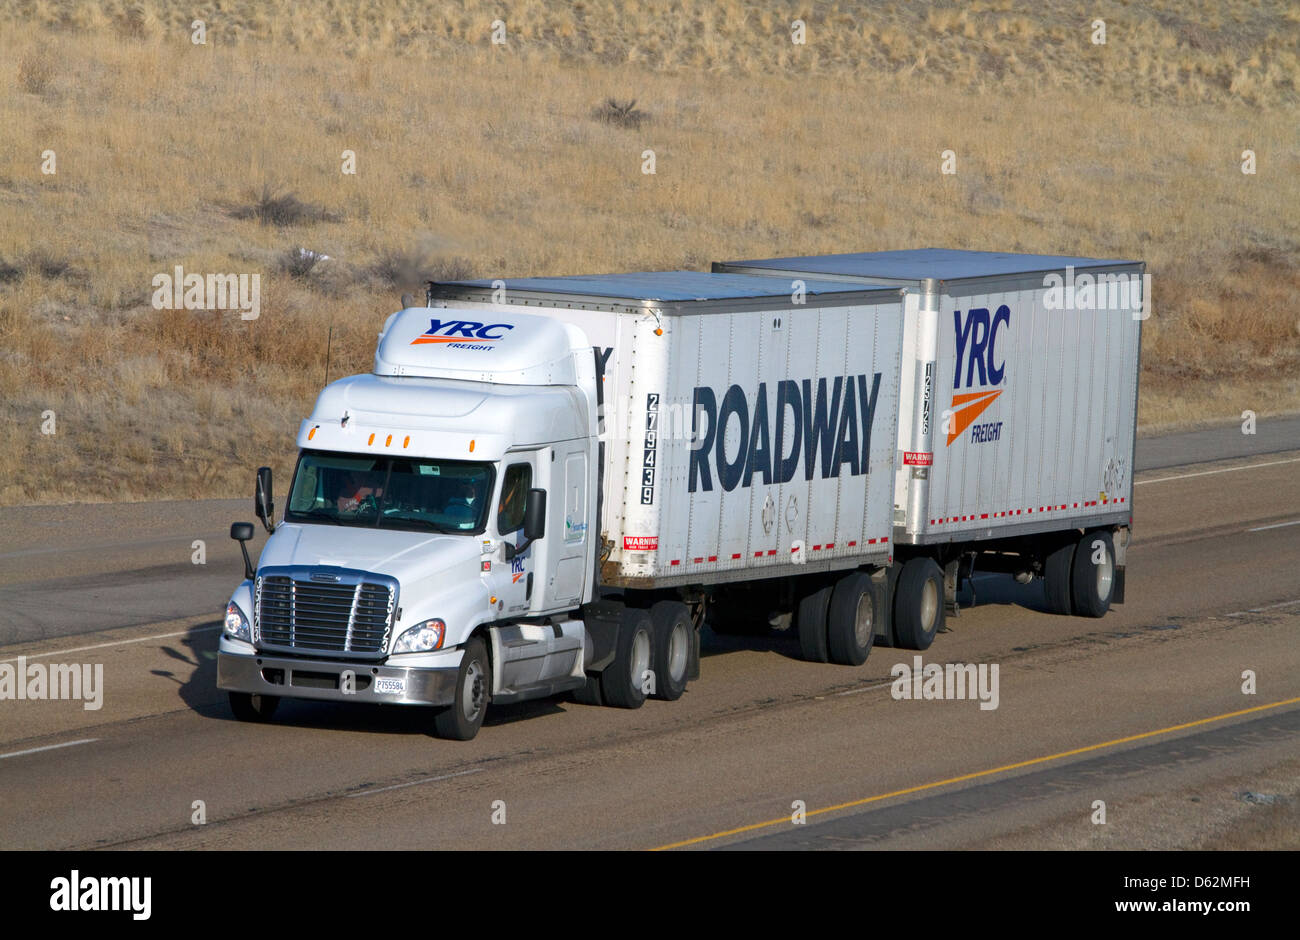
1143	710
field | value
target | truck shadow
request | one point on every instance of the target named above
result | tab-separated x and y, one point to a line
385	719
989	589
783	643
197	649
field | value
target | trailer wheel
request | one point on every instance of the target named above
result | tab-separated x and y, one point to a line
250	707
461	721
918	604
672	648
811	621
1057	568
622	684
851	619
1093	581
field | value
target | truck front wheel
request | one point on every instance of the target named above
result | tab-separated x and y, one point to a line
250	707
672	648
462	720
623	683
918	604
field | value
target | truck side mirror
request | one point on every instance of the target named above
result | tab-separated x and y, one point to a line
535	515
241	532
263	500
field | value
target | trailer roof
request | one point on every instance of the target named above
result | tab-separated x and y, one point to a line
664	286
944	264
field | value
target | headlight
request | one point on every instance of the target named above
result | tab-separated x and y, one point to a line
237	624
422	637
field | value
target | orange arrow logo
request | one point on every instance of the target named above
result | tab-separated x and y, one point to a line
972	406
425	338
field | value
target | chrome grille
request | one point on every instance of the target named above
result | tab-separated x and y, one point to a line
339	611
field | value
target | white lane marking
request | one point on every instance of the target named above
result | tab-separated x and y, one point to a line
1206	473
100	646
144	543
48	747
867	688
1257	610
1276	525
398	786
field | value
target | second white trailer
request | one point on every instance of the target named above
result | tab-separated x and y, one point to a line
1019	413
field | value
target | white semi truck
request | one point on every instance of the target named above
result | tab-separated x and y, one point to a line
546	484
461	528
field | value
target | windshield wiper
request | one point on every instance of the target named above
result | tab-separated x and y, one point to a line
427	523
320	514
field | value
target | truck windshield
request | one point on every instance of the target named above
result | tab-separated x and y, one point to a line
390	492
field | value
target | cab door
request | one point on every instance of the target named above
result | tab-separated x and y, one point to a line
516	579
523	648
569	515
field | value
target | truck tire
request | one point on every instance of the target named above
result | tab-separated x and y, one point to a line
621	684
589	694
1092	584
811	622
851	619
250	707
461	721
1057	567
672	648
918	604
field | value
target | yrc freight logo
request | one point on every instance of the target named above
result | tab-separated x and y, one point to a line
462	334
979	367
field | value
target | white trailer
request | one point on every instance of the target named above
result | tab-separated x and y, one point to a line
542	485
1018	417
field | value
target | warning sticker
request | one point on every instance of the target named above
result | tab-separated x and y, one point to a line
915	458
640	543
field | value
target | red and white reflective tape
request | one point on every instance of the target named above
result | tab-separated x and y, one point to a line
768	553
1028	511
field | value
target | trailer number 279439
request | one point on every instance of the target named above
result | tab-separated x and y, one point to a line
649	449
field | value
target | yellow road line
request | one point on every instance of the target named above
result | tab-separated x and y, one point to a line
977	774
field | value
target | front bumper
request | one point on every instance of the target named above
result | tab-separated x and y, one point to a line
291	677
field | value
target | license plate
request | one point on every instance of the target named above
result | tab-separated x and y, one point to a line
390	686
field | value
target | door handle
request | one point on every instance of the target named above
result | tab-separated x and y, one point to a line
528	588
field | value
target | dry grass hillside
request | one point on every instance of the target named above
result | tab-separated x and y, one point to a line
474	158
